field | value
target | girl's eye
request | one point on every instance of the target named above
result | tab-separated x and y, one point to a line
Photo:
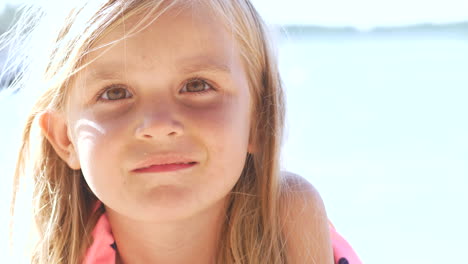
115	93
196	86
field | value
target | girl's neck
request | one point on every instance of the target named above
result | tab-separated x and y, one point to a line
192	240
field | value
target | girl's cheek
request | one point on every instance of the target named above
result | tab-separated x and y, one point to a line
105	112
110	116
224	109
96	128
224	120
206	116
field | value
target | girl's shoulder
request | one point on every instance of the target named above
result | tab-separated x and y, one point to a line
308	232
298	193
299	196
304	219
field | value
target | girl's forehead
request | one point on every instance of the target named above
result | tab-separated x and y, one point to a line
185	37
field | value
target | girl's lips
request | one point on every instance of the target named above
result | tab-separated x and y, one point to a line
165	167
163	162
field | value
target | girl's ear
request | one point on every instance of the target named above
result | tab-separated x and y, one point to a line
55	129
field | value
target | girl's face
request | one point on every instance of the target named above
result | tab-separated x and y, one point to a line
160	122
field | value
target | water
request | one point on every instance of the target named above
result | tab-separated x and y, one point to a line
377	122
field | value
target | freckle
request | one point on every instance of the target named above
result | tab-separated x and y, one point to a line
146	61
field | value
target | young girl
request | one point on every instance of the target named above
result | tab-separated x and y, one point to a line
160	127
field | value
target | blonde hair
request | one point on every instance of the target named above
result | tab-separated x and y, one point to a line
63	202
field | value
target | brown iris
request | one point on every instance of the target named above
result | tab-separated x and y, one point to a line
116	93
196	86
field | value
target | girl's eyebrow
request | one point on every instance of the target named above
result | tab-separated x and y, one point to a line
110	70
204	64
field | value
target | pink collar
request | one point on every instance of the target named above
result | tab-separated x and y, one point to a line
342	250
103	249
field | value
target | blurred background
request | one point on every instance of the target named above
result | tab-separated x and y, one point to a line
377	110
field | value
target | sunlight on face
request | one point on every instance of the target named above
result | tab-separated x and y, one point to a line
160	121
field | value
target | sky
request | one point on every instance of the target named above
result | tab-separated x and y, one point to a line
362	14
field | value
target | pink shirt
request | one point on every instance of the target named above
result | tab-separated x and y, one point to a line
102	251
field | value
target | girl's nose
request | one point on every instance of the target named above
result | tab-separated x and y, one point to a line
159	125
